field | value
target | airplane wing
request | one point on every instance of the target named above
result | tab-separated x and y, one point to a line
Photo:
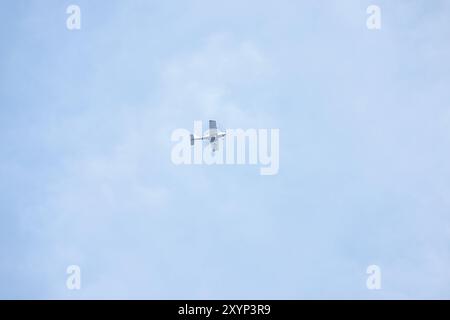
193	138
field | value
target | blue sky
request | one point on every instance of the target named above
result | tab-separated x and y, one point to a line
86	176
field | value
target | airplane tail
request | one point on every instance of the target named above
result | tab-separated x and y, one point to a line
192	139
212	124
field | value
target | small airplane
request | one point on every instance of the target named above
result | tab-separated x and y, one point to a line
212	135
